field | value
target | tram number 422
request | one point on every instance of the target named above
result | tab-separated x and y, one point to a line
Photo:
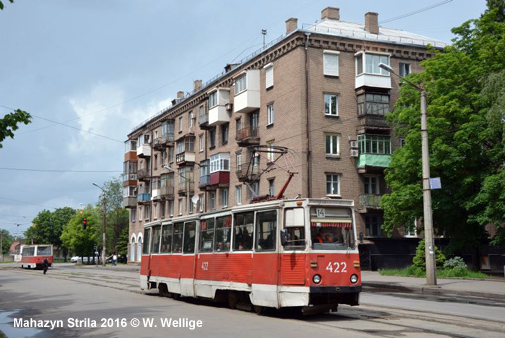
336	267
205	266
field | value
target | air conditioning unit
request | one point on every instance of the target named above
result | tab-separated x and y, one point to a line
229	106
353	143
354	152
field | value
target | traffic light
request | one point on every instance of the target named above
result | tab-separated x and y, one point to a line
84	223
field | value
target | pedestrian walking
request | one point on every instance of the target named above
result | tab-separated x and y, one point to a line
45	264
114	260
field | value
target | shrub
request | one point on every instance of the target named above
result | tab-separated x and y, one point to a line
456	262
420	258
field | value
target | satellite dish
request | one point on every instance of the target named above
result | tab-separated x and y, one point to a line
194	199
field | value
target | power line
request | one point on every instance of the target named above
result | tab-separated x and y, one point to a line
64	171
40	205
415	12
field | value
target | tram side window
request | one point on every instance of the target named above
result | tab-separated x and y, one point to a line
223	234
266	229
147	237
189	237
177	246
44	251
30	251
166	238
207	235
156	239
294	224
243	231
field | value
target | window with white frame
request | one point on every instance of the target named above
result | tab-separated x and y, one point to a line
220	162
155	210
224	198
270	114
332	184
212	200
191	119
133	214
372	186
330	63
180	206
213	99
190	205
404	69
332	144
147	212
372	62
269	76
180	123
140	213
239	161
240	84
270	154
201	202
171	154
201	142
171	208
410	229
331	104
271	187
238	194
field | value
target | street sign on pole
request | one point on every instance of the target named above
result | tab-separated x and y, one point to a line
435	183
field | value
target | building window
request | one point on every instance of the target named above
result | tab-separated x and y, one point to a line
330	104
224	198
191	120
201	201
180	206
155	210
147	212
374	144
163	157
373	104
220	162
270	154
369	63
330	63
201	142
171	154
133	214
212	138
171	208
212	200
404	69
402	142
140	213
332	144
239	124
411	229
224	134
333	184
212	99
238	194
372	185
239	161
180	124
162	210
271	187
240	84
190	205
373	225
270	114
269	76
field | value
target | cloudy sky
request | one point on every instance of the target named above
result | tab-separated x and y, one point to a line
102	67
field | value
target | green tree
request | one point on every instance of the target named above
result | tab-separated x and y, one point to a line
7	240
2	5
419	259
466	149
117	216
78	240
9	123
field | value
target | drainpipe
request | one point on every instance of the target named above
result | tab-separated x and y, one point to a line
307	105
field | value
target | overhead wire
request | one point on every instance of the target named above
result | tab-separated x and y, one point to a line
415	12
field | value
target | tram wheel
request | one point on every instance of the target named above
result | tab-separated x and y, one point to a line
176	296
232	299
260	310
163	290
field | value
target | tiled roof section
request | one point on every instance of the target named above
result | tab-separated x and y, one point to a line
357	31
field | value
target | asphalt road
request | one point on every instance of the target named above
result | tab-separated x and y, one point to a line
78	299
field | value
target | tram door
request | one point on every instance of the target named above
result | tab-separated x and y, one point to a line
152	265
189	257
292	256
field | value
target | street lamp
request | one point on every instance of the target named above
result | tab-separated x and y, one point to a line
431	272
186	182
104	223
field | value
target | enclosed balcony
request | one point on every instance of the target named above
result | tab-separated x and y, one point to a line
219	106
368	72
247	92
185	158
374	153
143	198
247	136
220	170
144	150
167	193
203	120
144	174
130	202
204	173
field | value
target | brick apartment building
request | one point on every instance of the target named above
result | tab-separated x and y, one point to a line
314	101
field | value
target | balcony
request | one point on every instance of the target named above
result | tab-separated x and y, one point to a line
130	202
369	201
129	179
160	143
185	158
167	193
204	181
247	136
373	80
184	187
219	112
220	179
143	174
245	174
143	198
372	122
373	163
249	98
156	194
203	120
144	150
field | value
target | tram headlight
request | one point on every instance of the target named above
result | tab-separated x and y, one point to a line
316	279
354	279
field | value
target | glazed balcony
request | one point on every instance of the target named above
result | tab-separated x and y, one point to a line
167	193
204	181
219	107
248	99
129	179
130	202
247	136
144	150
143	198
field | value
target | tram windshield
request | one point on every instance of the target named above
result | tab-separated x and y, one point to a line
44	251
331	228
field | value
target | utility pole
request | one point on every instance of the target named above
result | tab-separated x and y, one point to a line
104	222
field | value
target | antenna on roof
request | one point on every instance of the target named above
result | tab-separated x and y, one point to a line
264	32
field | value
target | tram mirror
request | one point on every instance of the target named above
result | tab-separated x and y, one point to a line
294	217
283	237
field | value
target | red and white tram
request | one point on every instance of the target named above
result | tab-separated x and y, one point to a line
281	253
32	256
